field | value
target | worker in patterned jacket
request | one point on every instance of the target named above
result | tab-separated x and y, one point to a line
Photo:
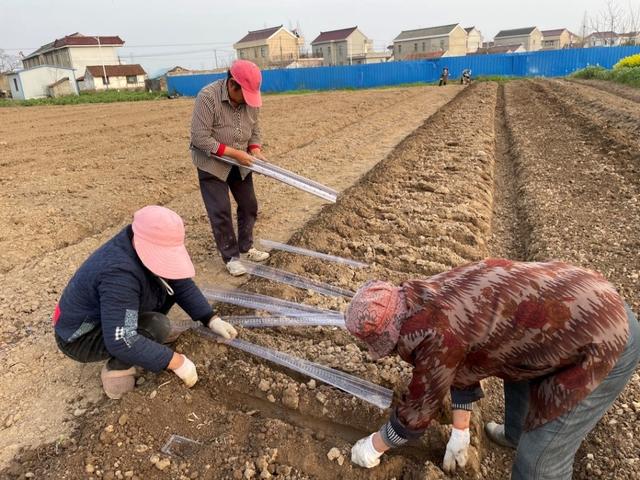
226	123
114	307
561	337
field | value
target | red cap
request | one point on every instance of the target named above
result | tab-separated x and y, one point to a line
248	76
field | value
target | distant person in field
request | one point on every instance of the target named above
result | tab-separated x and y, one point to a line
114	307
226	122
561	337
444	76
466	76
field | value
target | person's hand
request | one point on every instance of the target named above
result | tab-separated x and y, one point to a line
256	152
242	157
222	328
185	369
363	453
457	452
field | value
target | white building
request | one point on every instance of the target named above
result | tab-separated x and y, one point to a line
35	82
116	77
76	51
602	39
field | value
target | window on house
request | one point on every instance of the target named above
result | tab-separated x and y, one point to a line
442	44
15	83
399	48
105	80
132	79
415	47
263	52
424	47
255	53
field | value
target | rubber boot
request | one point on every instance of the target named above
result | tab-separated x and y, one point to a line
117	382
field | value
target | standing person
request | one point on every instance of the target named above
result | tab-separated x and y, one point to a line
444	76
114	307
561	337
226	122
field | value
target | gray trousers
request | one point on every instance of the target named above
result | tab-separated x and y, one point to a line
547	452
215	194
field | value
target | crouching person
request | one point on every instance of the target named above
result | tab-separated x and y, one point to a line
114	307
561	338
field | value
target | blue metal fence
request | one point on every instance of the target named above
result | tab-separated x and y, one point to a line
554	63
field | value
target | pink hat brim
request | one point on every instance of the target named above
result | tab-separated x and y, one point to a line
252	98
170	262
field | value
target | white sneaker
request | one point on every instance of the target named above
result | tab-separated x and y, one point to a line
256	255
236	268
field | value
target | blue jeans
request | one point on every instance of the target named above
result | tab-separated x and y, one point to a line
547	452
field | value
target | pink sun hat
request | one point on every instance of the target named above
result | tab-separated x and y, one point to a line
248	76
158	238
375	315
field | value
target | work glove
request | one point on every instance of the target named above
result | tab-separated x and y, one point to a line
187	372
363	453
222	328
457	452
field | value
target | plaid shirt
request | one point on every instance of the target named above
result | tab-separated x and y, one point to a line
561	327
216	123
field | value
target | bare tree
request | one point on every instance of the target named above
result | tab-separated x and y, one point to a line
8	62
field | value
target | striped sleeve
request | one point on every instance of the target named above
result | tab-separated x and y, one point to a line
256	133
201	125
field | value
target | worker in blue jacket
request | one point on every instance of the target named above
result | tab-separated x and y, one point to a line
114	307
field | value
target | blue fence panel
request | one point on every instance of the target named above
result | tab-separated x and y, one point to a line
553	63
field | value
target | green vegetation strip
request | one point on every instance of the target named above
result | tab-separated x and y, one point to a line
626	71
97	97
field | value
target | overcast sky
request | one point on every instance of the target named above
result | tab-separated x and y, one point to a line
164	33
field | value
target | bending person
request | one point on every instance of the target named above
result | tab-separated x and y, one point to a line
114	307
561	337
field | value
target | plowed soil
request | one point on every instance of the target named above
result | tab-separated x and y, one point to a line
531	170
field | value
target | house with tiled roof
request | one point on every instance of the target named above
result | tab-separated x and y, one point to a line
76	51
602	39
558	39
530	38
339	47
474	39
270	47
422	42
493	49
117	77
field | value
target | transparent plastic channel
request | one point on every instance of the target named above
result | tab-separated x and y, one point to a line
179	446
264	302
311	320
295	280
311	253
377	395
285	176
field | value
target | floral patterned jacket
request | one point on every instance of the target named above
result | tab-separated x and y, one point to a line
560	327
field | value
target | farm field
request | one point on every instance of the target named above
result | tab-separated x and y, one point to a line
429	178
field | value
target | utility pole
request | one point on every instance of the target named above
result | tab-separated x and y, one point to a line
104	69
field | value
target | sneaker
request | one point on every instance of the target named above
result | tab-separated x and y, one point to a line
117	382
256	255
236	268
495	432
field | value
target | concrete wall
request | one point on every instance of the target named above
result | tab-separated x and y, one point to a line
82	57
34	83
62	89
474	40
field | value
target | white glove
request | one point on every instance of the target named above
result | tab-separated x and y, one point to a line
222	328
363	453
187	372
457	450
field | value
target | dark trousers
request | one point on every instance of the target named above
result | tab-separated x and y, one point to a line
215	194
90	347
